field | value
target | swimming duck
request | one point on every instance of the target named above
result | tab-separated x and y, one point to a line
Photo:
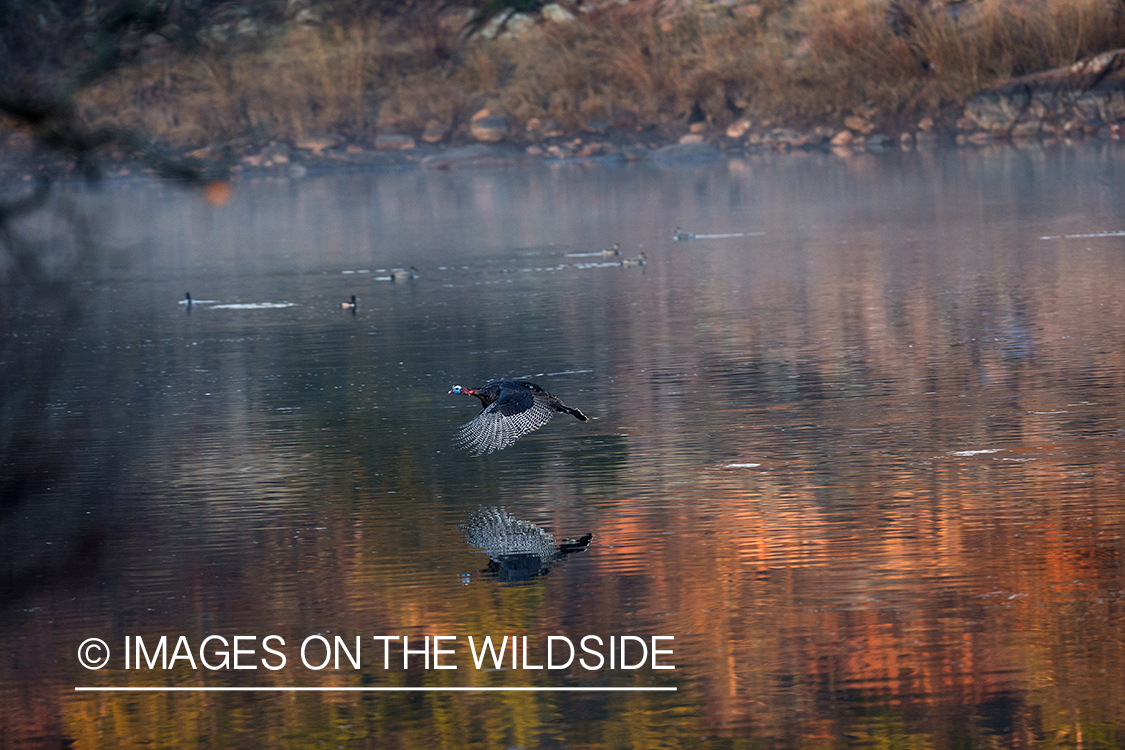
638	261
401	275
349	305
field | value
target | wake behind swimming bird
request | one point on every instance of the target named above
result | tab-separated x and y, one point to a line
250	305
190	301
682	236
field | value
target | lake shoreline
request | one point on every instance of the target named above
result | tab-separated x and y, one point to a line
25	163
220	95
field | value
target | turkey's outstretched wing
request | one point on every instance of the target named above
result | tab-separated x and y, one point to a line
511	416
531	386
550	400
512	401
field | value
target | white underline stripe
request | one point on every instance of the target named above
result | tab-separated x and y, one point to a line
378	689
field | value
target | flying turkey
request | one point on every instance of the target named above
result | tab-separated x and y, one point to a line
517	550
512	408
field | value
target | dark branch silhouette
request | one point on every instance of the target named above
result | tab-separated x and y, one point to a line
53	121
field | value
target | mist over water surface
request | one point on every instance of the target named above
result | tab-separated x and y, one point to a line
864	462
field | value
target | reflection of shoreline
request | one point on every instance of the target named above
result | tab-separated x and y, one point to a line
18	163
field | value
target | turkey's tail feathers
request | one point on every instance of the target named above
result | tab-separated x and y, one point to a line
575	545
577	414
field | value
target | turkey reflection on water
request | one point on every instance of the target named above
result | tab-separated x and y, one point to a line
863	461
517	550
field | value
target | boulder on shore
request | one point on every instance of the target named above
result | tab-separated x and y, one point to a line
1088	94
687	152
476	155
487	127
393	142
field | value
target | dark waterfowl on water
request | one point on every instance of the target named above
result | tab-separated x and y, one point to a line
403	274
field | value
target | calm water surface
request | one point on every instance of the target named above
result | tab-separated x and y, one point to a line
862	461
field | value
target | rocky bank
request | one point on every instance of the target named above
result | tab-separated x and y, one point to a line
1081	101
1085	100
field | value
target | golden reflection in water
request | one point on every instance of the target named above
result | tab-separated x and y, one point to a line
790	623
873	489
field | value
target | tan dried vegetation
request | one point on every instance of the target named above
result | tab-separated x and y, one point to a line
802	62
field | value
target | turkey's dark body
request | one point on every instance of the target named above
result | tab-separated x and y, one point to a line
511	409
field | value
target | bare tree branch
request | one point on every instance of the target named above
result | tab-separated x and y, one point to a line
54	123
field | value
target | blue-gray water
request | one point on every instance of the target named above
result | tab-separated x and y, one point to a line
861	457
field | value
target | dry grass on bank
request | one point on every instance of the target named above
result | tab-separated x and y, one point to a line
804	62
1005	38
904	59
312	81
